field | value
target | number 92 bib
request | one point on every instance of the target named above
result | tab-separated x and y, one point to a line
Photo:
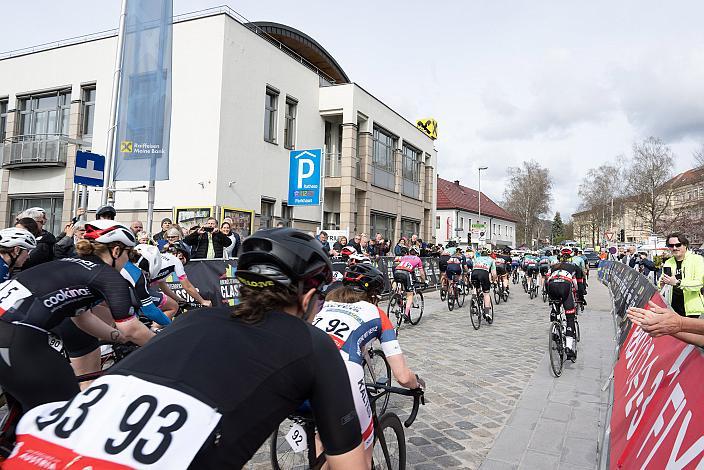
120	422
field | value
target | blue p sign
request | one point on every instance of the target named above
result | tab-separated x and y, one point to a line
304	177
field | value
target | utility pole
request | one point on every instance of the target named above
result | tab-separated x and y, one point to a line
480	196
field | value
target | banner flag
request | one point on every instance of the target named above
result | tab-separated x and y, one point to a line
144	104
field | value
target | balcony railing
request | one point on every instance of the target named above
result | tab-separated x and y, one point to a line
333	164
34	150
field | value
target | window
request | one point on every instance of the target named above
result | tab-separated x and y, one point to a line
410	227
88	113
411	171
462	222
332	220
267	214
44	114
383	224
437	222
3	120
290	129
383	158
52	204
270	107
286	214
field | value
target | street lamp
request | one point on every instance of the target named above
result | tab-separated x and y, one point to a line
480	191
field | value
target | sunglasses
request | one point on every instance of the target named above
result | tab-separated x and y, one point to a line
674	245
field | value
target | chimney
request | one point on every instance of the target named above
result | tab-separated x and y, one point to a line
457	182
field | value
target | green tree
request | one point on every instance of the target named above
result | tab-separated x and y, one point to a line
558	229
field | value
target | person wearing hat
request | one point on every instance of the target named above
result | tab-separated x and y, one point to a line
165	226
106	212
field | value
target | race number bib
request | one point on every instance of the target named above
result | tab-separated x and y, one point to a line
11	292
296	438
119	422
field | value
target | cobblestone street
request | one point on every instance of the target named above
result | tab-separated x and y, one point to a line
474	378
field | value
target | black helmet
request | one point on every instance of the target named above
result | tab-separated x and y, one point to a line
106	210
183	248
283	256
364	278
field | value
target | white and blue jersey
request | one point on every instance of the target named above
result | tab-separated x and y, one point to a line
136	277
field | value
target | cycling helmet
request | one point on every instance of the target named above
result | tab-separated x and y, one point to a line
414	250
12	237
283	256
484	252
360	258
183	248
149	259
106	210
548	253
109	231
364	278
348	251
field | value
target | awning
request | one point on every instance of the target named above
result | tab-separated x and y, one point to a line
503	247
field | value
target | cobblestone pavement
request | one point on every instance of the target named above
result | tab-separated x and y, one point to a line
474	379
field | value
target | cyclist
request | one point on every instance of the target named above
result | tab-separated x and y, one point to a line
358	258
530	267
562	283
455	267
40	298
483	273
578	259
404	273
501	272
442	266
515	263
217	385
172	263
353	320
544	267
147	263
506	256
15	244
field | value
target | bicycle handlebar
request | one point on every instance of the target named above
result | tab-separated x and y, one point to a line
417	393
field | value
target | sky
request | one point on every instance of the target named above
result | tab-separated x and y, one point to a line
569	84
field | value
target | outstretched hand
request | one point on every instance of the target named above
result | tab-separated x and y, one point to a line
657	321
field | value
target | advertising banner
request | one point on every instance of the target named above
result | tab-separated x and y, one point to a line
144	104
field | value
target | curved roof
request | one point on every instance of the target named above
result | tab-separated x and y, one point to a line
306	46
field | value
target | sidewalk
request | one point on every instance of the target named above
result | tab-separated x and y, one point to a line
559	422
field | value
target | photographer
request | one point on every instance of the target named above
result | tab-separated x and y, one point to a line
684	272
208	242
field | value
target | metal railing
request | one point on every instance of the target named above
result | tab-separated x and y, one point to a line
35	150
333	164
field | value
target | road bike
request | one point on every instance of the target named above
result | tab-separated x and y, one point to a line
557	342
455	294
476	308
524	282
533	288
443	287
397	306
378	370
292	445
514	275
545	289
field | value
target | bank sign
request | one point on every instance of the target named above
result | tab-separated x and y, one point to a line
304	177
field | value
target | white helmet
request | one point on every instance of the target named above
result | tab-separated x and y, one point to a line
149	259
11	237
109	231
360	258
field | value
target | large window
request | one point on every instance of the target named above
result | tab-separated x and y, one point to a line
88	113
270	107
52	205
290	129
383	224
412	160
267	214
286	214
45	114
332	220
410	227
3	120
383	158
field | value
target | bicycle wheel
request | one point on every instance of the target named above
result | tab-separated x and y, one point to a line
545	294
490	318
460	297
395	311
451	298
443	293
389	444
417	307
556	348
475	314
377	370
497	295
576	330
281	454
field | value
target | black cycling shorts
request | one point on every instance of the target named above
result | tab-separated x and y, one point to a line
500	270
453	270
77	342
532	270
480	278
442	266
404	278
562	291
544	268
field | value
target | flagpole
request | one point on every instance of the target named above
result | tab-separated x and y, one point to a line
110	151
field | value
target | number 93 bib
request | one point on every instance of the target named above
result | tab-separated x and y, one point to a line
120	422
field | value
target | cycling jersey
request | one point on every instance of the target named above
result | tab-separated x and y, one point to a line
544	261
209	391
442	262
578	261
409	263
454	265
136	277
515	261
553	260
44	295
484	263
4	270
170	264
567	272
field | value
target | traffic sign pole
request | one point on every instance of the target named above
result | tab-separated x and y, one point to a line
84	200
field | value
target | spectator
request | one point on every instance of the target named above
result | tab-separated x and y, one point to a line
382	246
400	247
659	321
143	238
234	249
136	227
340	244
230	251
208	242
372	248
280	225
165	225
630	258
356	243
106	212
685	273
646	265
65	246
45	241
323	239
30	225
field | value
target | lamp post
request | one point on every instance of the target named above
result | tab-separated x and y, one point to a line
480	192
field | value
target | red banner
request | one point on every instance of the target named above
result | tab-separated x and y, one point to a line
658	410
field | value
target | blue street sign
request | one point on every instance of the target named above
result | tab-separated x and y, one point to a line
304	177
89	169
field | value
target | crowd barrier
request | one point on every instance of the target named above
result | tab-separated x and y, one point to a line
656	417
216	278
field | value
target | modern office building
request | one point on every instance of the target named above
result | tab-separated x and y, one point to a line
243	95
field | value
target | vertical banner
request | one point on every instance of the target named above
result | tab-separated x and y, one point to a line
144	104
304	177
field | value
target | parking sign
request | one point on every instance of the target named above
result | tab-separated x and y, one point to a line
304	177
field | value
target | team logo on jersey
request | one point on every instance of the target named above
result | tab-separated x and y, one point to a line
61	297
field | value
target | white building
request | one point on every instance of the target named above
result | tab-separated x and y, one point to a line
243	95
458	209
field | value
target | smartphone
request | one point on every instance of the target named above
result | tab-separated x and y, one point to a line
667	270
75	219
208	229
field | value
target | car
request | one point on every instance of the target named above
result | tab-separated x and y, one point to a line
592	259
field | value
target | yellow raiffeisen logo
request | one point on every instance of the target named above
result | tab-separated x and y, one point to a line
429	126
126	146
259	284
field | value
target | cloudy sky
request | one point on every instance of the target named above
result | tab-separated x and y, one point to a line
569	84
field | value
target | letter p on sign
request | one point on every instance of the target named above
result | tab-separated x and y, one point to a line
306	168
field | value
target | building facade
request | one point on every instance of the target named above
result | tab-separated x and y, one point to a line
243	96
458	209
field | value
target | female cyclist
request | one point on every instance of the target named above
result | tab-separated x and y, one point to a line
15	244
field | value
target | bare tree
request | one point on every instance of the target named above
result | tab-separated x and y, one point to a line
527	196
597	192
646	181
699	156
